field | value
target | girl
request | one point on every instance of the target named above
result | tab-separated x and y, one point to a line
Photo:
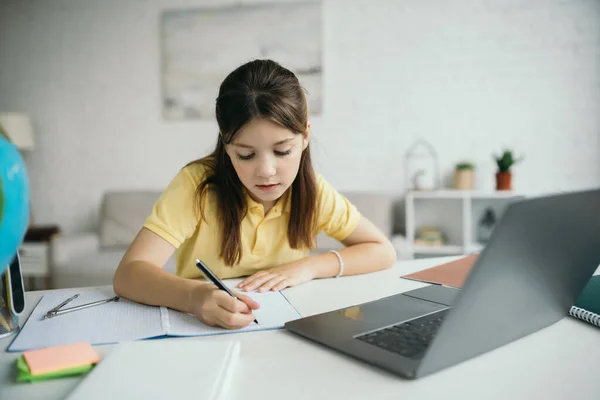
250	209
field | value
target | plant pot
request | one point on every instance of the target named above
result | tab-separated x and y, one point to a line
503	181
464	179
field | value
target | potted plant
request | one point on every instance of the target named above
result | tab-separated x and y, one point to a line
504	175
464	176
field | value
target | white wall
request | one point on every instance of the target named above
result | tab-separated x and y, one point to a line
469	76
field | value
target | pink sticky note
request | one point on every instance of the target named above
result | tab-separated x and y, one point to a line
56	358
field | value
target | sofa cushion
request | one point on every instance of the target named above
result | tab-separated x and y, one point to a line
93	269
376	207
122	215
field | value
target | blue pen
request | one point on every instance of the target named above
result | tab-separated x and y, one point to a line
208	273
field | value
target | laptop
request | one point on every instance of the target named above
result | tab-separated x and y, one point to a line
541	254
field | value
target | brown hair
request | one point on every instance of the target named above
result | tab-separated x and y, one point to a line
258	89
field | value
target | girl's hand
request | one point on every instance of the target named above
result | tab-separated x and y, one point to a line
277	278
215	307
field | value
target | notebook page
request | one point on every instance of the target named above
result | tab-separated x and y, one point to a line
105	323
275	310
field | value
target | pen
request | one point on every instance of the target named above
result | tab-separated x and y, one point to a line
208	273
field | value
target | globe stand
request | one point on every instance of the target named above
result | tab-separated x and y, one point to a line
9	320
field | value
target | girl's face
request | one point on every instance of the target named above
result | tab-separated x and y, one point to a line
266	157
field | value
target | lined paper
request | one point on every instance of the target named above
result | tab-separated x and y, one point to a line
106	323
275	310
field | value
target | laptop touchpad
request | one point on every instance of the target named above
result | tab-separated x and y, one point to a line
389	310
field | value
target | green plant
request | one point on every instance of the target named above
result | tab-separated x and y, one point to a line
464	165
506	161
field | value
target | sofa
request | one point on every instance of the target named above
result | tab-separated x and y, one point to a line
91	259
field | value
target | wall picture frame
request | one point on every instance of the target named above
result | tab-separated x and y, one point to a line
200	46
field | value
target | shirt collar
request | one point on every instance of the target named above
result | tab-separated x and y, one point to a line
282	205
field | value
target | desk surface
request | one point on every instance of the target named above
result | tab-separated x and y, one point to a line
555	363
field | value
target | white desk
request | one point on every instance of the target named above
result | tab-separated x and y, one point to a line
558	362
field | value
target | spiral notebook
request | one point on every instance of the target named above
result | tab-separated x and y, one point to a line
126	320
587	305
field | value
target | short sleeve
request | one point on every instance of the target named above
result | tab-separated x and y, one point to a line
174	217
337	216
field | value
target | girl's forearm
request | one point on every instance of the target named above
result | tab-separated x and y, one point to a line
146	283
358	259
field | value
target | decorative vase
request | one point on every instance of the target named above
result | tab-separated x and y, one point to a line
421	166
464	179
503	181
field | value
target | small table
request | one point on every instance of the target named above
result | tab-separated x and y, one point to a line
35	255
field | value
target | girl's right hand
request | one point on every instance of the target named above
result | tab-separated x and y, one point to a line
215	307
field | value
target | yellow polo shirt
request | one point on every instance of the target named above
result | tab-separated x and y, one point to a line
264	237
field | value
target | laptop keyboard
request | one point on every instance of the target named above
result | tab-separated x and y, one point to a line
409	339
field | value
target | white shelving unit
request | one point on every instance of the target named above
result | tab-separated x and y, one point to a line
456	213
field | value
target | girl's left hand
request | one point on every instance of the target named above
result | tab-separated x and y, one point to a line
277	278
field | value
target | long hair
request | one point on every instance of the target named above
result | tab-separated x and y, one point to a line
258	89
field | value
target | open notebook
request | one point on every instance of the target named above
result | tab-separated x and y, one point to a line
127	320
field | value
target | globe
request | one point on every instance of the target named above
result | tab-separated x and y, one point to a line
14	202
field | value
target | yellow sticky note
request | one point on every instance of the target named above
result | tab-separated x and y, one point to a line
56	358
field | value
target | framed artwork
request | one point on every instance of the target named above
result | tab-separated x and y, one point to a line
199	47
